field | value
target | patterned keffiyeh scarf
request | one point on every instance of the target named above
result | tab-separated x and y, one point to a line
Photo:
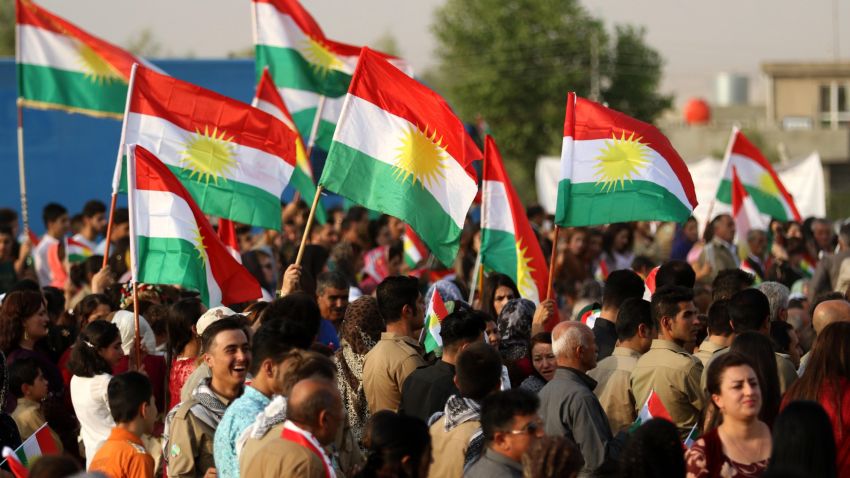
458	411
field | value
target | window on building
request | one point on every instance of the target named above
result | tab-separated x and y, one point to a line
840	100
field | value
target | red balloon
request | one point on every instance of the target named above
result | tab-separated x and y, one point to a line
697	111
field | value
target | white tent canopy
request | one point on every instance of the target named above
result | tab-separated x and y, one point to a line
803	179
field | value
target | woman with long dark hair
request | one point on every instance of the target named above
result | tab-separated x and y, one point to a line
827	381
758	349
184	344
802	441
497	291
96	352
617	244
740	446
399	446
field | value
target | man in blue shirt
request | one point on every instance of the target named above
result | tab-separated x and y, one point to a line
332	297
271	348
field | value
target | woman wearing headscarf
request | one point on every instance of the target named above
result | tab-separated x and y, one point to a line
154	365
361	329
515	331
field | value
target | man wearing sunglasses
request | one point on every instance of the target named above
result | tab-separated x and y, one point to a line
510	424
569	407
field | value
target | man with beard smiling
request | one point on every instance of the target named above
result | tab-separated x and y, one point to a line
188	449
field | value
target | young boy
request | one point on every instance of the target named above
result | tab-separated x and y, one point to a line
132	405
29	386
57	224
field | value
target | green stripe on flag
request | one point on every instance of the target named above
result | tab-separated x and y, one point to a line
304	185
290	69
71	90
765	202
172	261
498	252
232	200
585	204
371	183
304	122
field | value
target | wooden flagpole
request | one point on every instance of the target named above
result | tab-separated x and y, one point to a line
116	176
138	338
309	225
552	258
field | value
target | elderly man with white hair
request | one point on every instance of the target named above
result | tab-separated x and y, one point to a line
778	295
568	405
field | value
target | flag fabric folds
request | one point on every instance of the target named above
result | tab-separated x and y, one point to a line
234	160
399	149
61	66
40	443
759	179
414	250
615	168
171	240
434	316
508	243
268	99
652	408
744	210
305	64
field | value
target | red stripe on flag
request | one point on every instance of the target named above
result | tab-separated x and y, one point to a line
197	109
29	13
738	193
415	240
657	408
267	91
382	84
34	239
494	170
743	147
593	121
46	442
236	283
439	306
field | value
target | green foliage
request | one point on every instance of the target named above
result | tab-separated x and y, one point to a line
387	43
635	74
513	62
7	28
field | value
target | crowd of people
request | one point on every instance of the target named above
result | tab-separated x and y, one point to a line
672	355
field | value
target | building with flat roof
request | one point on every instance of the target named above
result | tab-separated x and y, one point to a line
806	95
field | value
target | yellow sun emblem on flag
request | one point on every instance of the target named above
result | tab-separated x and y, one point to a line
198	241
95	67
421	157
321	58
767	184
210	155
620	160
525	283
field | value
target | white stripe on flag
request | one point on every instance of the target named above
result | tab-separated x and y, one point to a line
585	154
167	142
45	48
497	212
163	214
379	133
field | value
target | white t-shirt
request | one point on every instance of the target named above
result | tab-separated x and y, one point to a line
39	254
91	404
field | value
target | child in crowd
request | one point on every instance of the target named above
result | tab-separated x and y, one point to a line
133	408
29	386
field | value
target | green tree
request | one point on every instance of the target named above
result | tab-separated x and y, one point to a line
635	74
513	62
7	28
143	43
387	43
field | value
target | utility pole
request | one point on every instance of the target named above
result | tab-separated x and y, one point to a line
594	66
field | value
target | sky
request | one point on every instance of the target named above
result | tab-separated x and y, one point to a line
696	39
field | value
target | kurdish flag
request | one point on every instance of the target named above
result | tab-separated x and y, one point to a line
434	316
617	169
414	250
227	234
62	67
399	149
234	160
759	179
77	251
652	408
171	240
268	99
40	443
508	243
307	66
744	210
